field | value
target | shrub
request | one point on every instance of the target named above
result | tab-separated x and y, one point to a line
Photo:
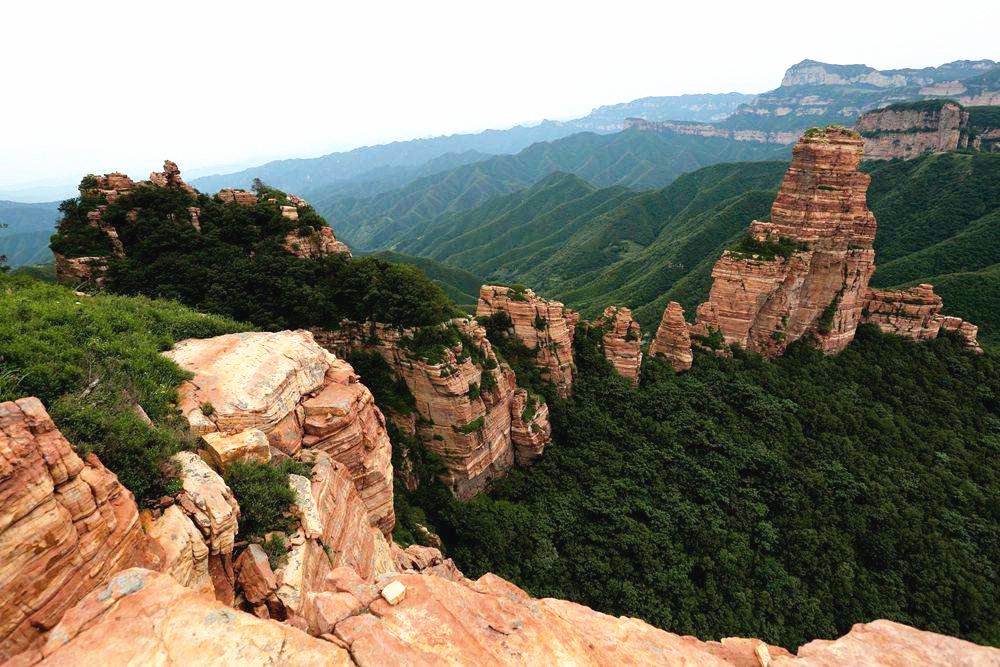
90	360
473	426
263	493
276	550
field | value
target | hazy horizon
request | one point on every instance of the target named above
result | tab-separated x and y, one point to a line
223	86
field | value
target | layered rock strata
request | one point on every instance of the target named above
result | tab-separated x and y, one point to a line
541	325
141	617
906	131
298	395
622	341
711	130
318	243
66	525
334	532
805	271
916	313
470	410
673	339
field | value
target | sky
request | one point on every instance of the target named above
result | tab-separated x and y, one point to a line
217	85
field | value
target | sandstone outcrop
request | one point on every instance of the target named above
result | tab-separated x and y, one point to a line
916	313
287	386
464	396
807	269
185	553
66	525
908	130
237	196
673	339
622	341
541	325
75	271
711	130
144	618
334	532
319	243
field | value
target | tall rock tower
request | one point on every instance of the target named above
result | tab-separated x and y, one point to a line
807	269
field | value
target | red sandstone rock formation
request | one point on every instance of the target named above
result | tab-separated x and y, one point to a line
805	271
673	339
540	324
319	243
908	132
299	395
465	401
144	618
66	525
334	532
330	585
622	341
76	271
141	617
916	313
237	196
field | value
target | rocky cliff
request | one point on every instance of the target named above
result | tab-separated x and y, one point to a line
916	313
541	325
364	600
673	340
622	341
471	413
66	525
806	270
297	396
759	136
908	130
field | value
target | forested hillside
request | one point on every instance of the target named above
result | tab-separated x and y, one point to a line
937	222
632	158
784	500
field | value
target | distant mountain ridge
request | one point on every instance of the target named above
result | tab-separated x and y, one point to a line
25	239
814	93
634	159
302	175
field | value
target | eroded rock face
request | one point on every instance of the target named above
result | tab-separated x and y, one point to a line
66	525
465	401
673	339
622	341
237	196
540	324
185	551
76	271
319	243
911	131
299	395
334	532
916	313
805	271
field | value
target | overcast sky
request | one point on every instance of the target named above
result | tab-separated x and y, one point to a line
95	87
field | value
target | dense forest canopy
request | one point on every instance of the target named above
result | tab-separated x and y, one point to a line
783	500
236	264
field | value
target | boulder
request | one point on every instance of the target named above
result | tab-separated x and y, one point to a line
185	552
221	450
